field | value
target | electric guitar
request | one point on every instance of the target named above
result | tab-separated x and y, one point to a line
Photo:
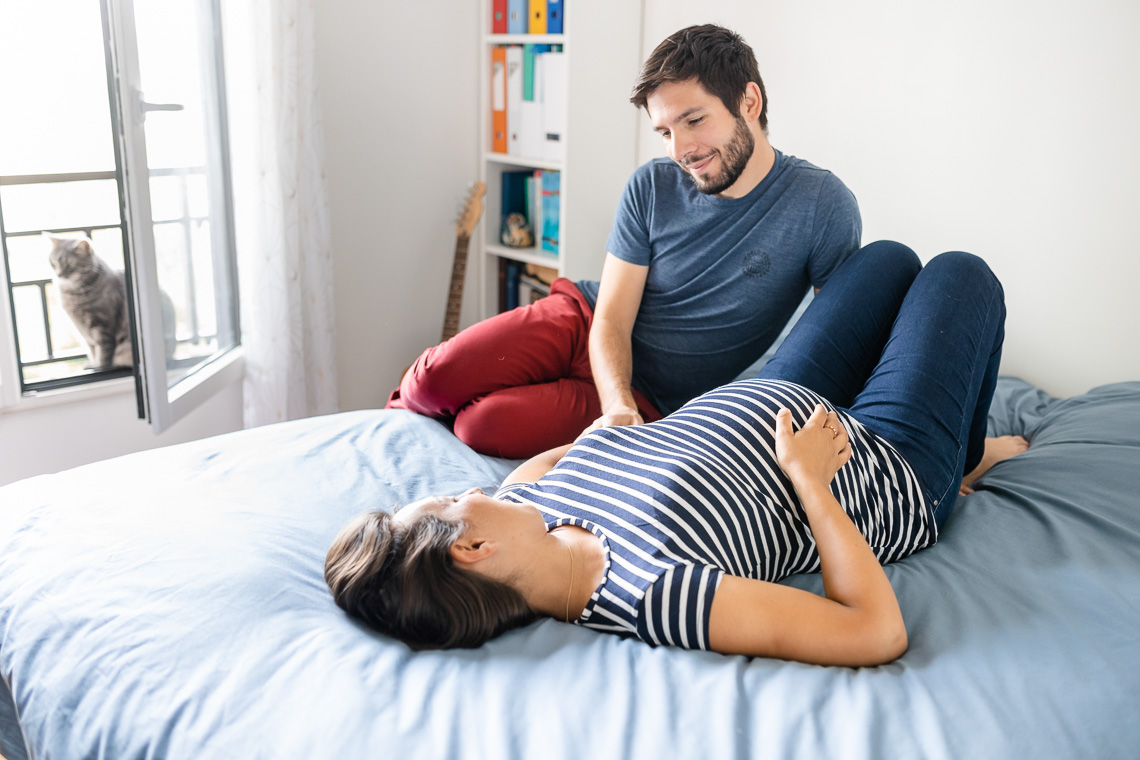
468	218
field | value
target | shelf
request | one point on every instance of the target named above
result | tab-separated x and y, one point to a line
525	39
523	161
598	145
525	255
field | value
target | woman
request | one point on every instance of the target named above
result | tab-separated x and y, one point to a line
847	452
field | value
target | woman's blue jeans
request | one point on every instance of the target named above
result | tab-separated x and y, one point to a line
911	352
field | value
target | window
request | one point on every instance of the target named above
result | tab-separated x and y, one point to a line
113	127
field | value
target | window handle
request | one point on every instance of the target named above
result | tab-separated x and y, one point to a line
145	105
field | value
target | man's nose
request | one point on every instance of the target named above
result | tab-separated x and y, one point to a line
680	147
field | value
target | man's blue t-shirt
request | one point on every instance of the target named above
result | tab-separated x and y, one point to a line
725	274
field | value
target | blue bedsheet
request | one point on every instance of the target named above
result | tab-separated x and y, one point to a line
170	604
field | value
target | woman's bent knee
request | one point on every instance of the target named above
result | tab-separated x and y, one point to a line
964	268
892	257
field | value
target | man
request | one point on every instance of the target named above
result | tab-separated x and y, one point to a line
711	251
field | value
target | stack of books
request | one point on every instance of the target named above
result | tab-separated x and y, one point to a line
536	194
522	284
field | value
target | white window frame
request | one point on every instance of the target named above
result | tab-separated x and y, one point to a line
161	405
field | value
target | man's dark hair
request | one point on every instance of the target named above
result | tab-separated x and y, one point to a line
718	58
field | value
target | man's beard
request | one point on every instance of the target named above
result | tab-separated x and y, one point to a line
734	157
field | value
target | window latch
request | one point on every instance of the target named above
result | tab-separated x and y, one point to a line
145	106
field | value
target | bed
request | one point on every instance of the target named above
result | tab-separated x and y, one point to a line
170	604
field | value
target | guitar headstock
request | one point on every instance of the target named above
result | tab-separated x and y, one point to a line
472	210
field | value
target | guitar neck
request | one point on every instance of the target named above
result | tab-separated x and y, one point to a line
455	291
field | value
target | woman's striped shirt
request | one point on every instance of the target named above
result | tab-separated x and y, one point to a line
679	502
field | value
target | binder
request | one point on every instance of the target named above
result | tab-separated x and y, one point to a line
554	16
531	50
514	99
530	130
553	66
537	22
517	11
498	16
499	99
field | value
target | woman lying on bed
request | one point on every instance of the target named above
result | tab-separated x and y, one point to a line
847	453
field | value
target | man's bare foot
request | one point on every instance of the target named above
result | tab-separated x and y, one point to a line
997	450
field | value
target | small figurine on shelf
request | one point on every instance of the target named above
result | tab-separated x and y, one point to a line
516	232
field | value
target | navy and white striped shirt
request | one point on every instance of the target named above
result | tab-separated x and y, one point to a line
679	502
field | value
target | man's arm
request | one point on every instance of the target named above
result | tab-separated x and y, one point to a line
611	353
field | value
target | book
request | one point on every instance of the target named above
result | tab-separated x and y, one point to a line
547	274
513	270
531	289
534	206
551	201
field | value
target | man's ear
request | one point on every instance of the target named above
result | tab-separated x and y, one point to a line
752	102
468	551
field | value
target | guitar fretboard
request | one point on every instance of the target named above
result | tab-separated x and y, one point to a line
455	292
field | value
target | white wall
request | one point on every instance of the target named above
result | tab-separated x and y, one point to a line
398	84
1003	127
53	438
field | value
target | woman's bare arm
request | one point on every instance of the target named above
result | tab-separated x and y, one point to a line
537	466
858	622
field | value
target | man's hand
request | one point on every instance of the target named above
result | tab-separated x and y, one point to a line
617	418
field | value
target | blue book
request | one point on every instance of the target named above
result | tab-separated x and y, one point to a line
554	16
551	200
518	12
512	284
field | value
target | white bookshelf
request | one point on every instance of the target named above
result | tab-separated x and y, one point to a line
602	48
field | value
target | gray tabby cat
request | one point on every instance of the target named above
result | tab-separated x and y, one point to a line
94	297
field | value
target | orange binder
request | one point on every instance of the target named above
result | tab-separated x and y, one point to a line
537	16
499	99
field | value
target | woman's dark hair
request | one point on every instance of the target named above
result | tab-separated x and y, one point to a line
401	580
716	57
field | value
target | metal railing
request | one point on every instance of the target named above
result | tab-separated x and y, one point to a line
53	356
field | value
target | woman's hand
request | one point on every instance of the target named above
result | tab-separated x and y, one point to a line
815	453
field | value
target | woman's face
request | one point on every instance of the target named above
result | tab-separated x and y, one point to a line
480	512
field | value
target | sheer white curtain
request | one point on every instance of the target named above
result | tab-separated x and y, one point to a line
281	210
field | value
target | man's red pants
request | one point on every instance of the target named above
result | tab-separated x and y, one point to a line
516	384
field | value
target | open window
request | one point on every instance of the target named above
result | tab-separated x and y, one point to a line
114	129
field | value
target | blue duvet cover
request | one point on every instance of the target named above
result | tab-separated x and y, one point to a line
170	604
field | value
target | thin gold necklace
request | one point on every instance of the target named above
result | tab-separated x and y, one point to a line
571	588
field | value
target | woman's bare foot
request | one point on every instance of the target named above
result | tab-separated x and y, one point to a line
997	450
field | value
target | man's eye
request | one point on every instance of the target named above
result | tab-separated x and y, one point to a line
664	135
696	121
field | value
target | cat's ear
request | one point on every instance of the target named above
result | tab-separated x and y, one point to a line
83	247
